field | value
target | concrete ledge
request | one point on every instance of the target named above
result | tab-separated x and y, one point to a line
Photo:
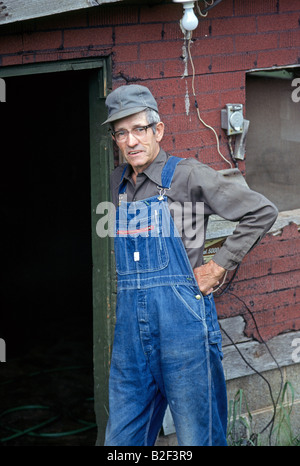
278	351
220	228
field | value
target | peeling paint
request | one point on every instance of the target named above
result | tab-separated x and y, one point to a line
187	100
185	59
284	219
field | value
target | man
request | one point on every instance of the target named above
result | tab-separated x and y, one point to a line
167	343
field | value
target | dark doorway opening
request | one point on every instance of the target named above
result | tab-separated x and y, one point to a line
46	209
46	298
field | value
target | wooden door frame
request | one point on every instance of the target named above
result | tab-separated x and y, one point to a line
101	163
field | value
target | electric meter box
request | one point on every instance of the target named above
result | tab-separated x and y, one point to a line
232	119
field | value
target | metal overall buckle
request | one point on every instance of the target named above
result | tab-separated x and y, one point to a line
161	192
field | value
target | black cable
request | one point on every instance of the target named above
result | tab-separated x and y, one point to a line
278	367
274	403
209	7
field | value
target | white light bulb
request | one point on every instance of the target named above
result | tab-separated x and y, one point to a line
189	20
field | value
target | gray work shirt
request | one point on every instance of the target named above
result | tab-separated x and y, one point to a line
195	182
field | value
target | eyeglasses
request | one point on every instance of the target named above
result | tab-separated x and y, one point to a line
139	133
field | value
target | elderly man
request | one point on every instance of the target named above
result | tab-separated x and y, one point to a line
167	342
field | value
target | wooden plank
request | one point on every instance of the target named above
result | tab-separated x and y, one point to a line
17	10
53	67
104	287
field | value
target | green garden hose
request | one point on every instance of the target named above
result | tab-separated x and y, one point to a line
33	431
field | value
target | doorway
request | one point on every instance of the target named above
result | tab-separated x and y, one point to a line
52	179
45	194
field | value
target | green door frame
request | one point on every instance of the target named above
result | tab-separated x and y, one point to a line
101	163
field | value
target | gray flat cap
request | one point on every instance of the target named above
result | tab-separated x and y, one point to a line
128	100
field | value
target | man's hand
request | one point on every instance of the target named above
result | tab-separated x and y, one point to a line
208	276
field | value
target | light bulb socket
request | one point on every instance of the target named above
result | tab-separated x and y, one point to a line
187	5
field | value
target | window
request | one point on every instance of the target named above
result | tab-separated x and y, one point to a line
273	141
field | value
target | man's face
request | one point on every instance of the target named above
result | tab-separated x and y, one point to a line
139	150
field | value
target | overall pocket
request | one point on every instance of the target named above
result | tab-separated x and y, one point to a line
187	296
140	245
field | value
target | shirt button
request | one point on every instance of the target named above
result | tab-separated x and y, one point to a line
198	296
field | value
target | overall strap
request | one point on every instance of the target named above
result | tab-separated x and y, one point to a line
122	186
168	171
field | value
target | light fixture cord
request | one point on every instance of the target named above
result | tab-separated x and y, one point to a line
196	103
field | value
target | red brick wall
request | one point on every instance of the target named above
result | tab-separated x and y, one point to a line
268	284
147	47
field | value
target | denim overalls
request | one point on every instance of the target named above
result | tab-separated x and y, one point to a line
167	343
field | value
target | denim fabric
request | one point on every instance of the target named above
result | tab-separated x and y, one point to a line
167	342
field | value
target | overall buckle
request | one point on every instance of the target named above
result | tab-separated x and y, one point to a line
161	192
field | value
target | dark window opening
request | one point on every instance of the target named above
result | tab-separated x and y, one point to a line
273	141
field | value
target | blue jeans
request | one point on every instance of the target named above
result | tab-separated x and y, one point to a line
167	349
167	342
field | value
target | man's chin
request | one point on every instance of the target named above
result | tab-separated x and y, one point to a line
136	161
136	157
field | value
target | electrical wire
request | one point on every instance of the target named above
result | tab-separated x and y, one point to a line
203	15
197	106
223	281
211	5
274	402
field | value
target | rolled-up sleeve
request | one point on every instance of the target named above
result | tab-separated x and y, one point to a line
236	202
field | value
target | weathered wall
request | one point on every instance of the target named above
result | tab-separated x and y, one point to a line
268	282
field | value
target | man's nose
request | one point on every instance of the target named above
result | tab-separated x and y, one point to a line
131	140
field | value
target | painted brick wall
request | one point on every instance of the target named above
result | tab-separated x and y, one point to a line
147	47
268	284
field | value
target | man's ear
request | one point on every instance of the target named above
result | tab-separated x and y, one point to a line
160	129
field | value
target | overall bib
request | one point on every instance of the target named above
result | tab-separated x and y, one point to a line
167	341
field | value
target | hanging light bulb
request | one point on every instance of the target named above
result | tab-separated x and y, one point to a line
189	21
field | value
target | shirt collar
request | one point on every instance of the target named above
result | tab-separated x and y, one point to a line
153	172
